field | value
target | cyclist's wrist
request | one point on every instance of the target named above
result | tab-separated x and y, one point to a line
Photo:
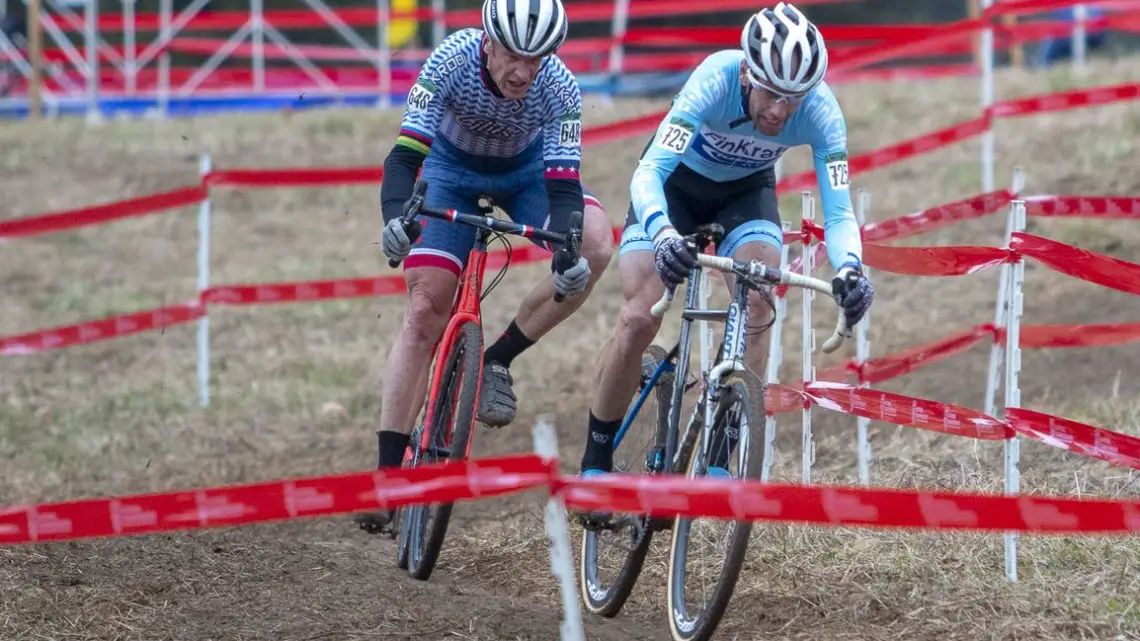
665	233
851	263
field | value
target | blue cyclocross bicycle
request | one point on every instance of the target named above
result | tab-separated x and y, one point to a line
716	438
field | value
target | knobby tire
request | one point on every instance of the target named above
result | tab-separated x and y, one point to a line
458	403
608	601
709	618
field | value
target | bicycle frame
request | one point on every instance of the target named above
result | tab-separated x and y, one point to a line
466	309
728	363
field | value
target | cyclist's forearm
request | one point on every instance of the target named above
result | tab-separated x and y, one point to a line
400	168
565	197
648	196
844	245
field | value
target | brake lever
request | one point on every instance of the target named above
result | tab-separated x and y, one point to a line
569	253
408	220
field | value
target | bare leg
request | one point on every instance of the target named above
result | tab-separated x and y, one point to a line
619	363
755	355
431	292
759	310
537	315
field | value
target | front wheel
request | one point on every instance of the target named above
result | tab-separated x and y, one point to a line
613	555
422	527
694	570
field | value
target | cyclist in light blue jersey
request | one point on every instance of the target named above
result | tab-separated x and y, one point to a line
493	112
712	160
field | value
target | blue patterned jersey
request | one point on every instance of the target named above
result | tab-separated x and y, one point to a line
708	129
451	101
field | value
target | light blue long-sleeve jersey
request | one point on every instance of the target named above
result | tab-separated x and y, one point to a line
708	129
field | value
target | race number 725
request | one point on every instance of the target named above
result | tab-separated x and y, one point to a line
837	175
675	138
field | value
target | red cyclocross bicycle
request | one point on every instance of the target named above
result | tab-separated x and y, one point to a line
457	368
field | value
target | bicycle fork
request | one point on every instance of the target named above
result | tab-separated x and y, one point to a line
728	369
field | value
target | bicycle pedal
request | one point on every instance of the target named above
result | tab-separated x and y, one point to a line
596	522
377	524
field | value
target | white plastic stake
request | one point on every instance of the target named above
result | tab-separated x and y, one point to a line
808	446
862	353
618	27
384	66
165	10
438	22
775	357
704	330
558	529
203	285
987	102
1080	35
257	39
1012	384
994	369
91	68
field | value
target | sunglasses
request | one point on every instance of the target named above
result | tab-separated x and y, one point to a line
776	96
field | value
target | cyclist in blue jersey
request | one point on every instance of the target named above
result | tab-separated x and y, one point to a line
712	160
493	112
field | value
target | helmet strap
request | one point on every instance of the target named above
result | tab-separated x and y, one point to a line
485	71
745	100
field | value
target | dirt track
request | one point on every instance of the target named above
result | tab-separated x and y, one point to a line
118	417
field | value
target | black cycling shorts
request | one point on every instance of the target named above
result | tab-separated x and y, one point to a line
747	209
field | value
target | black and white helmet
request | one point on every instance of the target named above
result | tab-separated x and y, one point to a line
532	28
771	40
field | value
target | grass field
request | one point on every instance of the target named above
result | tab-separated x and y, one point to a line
120	416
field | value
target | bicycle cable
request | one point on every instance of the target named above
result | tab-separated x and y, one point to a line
764	292
503	271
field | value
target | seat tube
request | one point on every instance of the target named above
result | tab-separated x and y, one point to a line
692	300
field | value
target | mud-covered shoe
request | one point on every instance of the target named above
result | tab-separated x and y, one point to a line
376	522
497	402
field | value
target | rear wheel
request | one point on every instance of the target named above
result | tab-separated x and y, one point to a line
422	527
700	587
612	556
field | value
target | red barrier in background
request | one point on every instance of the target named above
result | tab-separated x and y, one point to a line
1089	266
301	498
611	132
584	55
975	127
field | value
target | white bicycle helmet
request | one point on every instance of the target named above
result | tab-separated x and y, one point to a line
532	28
772	38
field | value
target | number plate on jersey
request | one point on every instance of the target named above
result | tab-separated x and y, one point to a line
420	95
837	172
676	137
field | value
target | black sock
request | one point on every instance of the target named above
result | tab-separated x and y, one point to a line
392	447
512	343
599	452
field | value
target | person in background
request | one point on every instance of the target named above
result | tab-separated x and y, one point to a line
1055	50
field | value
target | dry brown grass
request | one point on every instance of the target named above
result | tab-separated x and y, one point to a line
120	416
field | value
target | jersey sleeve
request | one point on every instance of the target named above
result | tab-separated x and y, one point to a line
562	146
427	98
706	86
562	133
829	155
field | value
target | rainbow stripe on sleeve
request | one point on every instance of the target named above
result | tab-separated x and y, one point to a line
414	140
